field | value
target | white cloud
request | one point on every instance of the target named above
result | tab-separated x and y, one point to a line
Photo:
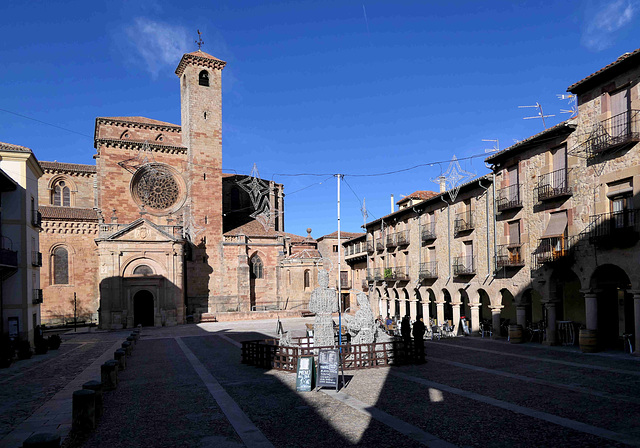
159	44
603	21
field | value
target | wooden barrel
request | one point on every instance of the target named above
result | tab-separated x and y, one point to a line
588	341
515	334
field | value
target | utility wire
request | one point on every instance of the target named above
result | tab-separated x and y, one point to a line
44	122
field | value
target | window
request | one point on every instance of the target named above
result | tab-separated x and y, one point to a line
256	267
61	194
307	279
143	269
203	78
335	248
60	266
514	233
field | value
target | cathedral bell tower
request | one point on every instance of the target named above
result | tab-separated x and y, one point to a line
201	107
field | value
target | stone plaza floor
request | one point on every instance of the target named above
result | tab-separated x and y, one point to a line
185	387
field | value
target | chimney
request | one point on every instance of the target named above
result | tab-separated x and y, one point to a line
443	184
393	205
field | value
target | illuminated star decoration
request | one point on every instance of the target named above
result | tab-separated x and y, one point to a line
258	191
454	177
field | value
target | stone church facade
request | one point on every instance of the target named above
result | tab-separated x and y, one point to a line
156	234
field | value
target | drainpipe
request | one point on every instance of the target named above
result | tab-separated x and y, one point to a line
486	190
448	236
495	242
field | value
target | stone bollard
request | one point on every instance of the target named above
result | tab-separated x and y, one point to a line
109	374
42	440
95	386
120	356
128	347
136	336
132	339
83	410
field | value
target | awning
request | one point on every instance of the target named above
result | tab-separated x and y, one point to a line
557	225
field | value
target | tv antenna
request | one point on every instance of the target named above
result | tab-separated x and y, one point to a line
572	104
540	114
495	148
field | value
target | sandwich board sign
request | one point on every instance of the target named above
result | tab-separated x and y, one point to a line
328	364
304	374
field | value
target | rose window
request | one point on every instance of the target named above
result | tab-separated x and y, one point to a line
157	187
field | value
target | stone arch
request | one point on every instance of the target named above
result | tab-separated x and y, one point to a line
534	309
160	138
143	308
419	303
407	301
465	304
484	301
508	314
448	307
132	263
126	134
396	302
615	309
203	78
431	298
62	191
60	264
565	286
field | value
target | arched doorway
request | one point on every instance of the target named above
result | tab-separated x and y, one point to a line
484	312
615	304
465	308
570	302
433	308
534	310
396	306
419	310
407	308
448	308
143	312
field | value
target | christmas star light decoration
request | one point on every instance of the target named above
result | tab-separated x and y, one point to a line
454	177
258	191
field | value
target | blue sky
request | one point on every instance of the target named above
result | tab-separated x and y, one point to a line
311	87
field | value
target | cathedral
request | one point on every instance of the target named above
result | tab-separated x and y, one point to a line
156	234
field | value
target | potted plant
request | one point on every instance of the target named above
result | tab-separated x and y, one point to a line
388	272
54	342
24	350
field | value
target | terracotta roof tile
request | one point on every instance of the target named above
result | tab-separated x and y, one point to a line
15	148
199	58
420	194
343	235
202	54
305	254
68	213
625	58
254	228
68	167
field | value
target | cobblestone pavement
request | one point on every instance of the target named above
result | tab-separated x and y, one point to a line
185	386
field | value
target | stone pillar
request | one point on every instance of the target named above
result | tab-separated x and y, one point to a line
521	315
425	313
495	321
591	309
440	311
456	316
636	315
413	310
475	319
83	409
552	336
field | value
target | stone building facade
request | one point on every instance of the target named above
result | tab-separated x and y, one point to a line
548	240
155	233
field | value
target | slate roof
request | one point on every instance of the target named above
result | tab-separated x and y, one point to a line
68	167
621	64
68	213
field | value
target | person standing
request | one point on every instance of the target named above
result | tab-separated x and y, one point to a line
418	340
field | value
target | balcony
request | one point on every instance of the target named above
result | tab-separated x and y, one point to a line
553	185
556	249
378	274
379	244
401	273
402	238
464	265
428	270
36	218
619	229
618	130
391	240
36	258
355	250
428	232
37	296
8	256
370	247
463	223
508	198
370	275
510	256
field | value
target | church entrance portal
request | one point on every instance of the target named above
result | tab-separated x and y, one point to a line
143	309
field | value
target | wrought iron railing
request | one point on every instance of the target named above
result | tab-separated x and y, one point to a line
36	218
509	255
614	224
508	198
428	270
617	130
370	274
391	240
428	231
37	296
401	273
36	258
402	238
464	265
8	256
379	244
378	274
389	274
463	222
370	246
553	185
549	250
